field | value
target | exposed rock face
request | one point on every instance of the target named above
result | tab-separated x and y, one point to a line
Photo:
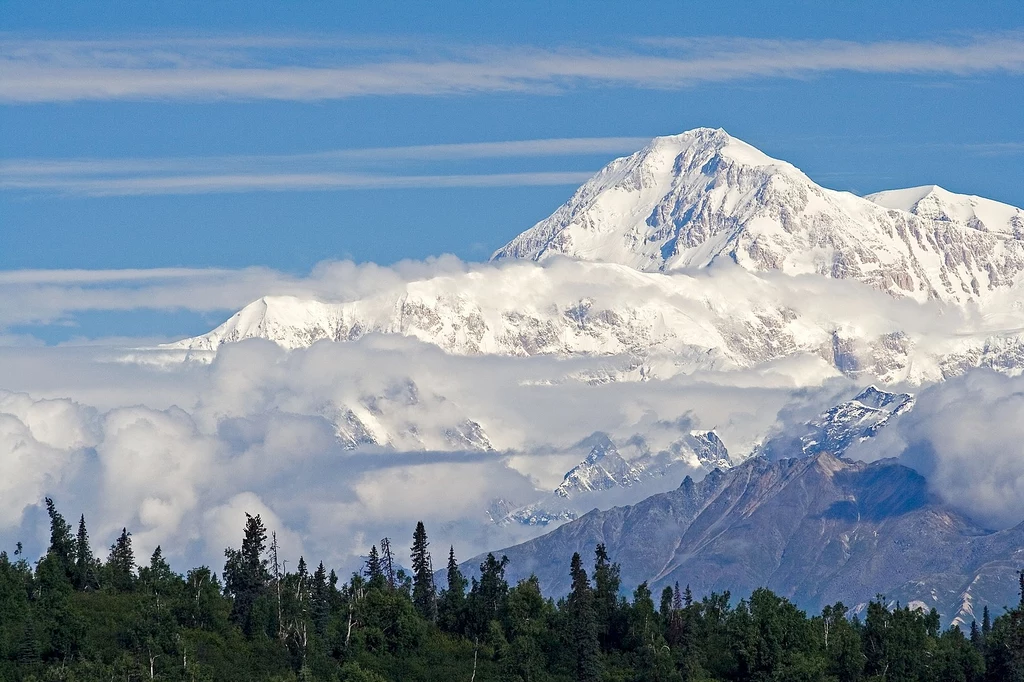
686	200
817	530
603	468
841	426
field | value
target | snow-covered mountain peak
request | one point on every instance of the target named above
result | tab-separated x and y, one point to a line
701	145
935	203
687	200
290	321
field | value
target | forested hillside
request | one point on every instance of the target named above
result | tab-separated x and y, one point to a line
71	616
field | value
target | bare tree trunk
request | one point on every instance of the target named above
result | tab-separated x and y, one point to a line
348	634
277	584
476	649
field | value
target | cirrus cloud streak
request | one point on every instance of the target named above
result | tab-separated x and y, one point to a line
236	69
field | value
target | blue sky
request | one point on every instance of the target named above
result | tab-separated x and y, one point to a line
279	135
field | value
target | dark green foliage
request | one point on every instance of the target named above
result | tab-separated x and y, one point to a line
583	624
85	563
451	604
373	571
246	576
424	595
62	545
120	567
486	600
265	623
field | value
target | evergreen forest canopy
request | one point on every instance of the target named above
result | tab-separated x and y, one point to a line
73	617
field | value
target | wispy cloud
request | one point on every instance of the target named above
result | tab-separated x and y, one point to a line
220	164
329	170
287	182
997	148
308	69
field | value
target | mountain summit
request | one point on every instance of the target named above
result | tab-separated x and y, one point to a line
687	200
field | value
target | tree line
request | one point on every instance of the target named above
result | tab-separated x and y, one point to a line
71	616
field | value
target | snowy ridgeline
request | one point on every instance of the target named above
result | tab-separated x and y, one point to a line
908	285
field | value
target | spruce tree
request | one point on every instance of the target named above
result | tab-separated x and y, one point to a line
321	607
606	595
424	595
85	562
490	593
456	581
986	623
583	625
157	578
374	572
28	645
62	544
121	563
246	572
452	603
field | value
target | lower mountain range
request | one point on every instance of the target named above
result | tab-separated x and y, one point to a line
817	529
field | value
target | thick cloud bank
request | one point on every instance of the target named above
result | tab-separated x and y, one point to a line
966	435
178	455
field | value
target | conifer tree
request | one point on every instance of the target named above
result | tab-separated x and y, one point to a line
321	607
246	572
62	544
424	595
456	581
986	623
121	563
85	562
583	625
28	645
975	635
452	602
606	594
157	578
490	593
373	571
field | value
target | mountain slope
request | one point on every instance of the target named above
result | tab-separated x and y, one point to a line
816	530
723	318
835	430
687	200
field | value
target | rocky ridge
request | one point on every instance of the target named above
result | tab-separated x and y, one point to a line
817	530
